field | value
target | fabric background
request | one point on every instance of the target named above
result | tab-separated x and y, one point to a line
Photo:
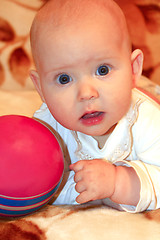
16	16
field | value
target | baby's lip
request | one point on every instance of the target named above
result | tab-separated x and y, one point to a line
92	118
89	115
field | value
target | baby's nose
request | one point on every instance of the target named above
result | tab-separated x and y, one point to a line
87	91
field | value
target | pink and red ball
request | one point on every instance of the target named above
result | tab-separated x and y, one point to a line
31	165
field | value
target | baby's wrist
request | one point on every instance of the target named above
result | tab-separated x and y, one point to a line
110	181
127	186
114	181
119	187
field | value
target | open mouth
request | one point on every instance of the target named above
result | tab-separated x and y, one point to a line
92	118
91	115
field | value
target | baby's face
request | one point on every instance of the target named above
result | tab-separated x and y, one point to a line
86	76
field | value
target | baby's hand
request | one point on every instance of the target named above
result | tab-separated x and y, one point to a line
95	179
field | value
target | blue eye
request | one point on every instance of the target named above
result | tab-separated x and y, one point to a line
103	70
64	79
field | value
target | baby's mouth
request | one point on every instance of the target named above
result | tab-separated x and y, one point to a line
92	118
91	115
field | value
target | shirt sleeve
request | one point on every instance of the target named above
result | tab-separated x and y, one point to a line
146	157
149	176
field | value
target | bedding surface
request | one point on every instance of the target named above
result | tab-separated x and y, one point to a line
82	222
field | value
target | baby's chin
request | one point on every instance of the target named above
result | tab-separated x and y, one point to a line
94	132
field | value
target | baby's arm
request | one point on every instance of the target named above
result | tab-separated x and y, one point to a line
99	179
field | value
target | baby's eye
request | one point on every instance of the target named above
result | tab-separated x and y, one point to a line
103	70
64	79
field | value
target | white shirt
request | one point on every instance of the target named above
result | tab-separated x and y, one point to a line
135	142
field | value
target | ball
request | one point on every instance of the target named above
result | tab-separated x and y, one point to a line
31	165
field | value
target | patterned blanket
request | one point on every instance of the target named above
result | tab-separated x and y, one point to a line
82	222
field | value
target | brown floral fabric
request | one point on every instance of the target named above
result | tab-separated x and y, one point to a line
143	17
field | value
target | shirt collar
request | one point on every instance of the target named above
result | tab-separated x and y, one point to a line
118	145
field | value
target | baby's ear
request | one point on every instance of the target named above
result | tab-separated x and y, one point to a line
36	80
137	65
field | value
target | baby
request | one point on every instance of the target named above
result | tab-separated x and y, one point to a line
85	74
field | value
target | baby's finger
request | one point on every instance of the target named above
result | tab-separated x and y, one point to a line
80	187
76	166
83	197
78	176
